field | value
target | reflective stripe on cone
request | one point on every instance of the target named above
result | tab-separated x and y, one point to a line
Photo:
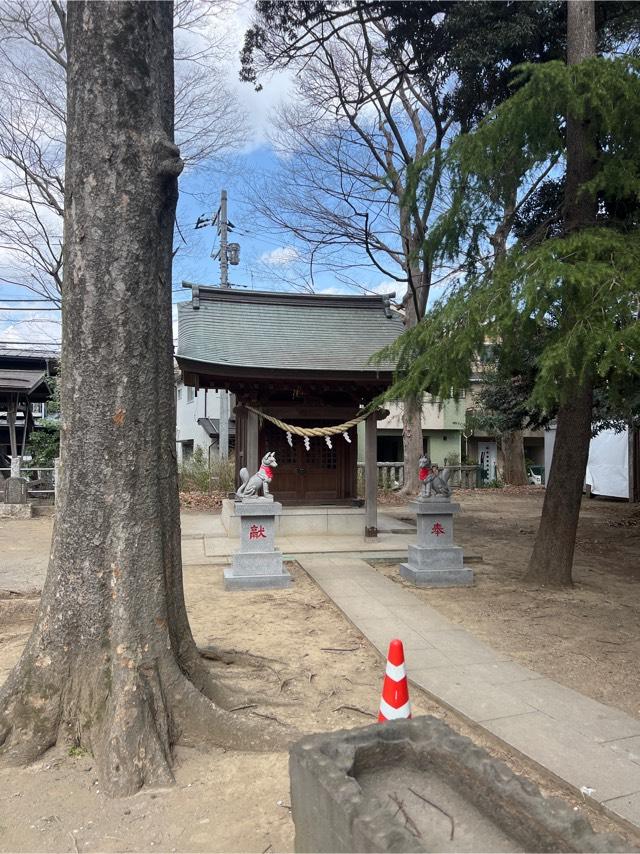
395	690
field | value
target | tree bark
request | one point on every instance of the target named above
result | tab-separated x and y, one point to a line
513	464
412	443
552	557
111	664
579	206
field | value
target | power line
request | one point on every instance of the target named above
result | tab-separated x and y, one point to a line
27	299
35	344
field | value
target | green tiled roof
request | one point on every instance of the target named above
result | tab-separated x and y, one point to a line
269	330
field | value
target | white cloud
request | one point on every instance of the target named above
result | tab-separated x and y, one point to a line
31	330
388	287
233	20
283	256
333	290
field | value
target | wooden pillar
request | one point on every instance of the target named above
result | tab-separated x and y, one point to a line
12	409
371	475
25	429
252	461
223	432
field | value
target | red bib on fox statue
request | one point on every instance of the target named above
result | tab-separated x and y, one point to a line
424	472
268	472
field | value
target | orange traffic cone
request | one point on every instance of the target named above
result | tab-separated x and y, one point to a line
395	691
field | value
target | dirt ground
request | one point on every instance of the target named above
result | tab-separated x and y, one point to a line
323	675
587	638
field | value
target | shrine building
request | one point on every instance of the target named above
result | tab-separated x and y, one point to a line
304	361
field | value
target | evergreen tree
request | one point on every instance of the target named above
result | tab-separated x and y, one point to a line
573	287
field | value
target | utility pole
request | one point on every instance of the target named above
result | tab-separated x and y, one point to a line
228	253
223	228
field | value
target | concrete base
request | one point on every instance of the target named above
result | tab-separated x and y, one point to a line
304	521
234	581
16	511
462	577
429	557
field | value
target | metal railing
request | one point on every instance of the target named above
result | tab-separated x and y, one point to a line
391	475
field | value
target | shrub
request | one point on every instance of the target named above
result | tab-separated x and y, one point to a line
197	474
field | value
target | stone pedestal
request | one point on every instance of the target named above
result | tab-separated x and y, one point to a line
434	561
258	563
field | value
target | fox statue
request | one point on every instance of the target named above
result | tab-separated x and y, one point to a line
432	480
252	486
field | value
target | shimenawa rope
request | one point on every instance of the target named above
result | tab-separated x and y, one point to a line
310	431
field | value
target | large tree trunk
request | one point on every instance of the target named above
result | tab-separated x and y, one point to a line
111	664
552	558
412	444
513	464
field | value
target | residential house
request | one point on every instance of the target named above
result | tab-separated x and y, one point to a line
198	420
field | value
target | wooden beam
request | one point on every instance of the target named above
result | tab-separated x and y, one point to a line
371	475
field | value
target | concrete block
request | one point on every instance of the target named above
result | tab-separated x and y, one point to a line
463	648
235	581
16	511
627	807
380	632
422	618
568	754
467	694
301	526
345	787
594	720
497	673
628	747
437	577
346	524
243	563
421	557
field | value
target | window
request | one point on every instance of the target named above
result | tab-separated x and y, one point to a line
187	450
179	392
37	410
190	394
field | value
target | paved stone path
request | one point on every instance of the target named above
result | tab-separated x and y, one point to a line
580	741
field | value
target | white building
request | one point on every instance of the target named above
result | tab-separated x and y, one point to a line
198	421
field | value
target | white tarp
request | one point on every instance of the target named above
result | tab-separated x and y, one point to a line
608	465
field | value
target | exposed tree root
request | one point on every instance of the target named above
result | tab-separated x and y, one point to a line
129	717
234	656
222	689
202	722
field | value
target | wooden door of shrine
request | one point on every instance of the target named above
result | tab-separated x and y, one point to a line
317	476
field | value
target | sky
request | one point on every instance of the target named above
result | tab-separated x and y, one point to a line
266	257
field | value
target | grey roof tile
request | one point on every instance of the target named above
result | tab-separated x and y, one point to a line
277	330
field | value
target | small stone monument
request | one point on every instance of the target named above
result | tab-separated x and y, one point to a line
258	563
15	497
434	561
